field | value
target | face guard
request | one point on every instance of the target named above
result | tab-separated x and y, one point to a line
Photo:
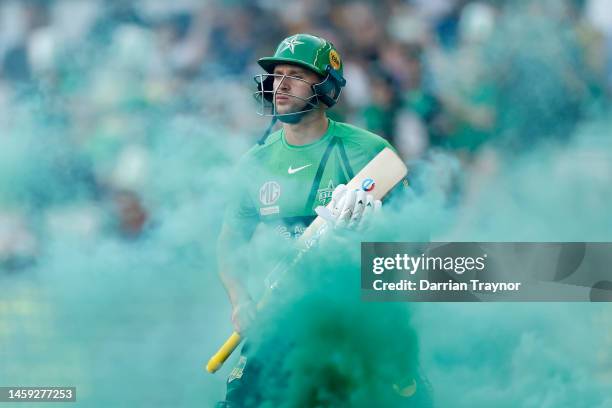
266	97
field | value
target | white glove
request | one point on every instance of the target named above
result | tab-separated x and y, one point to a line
351	209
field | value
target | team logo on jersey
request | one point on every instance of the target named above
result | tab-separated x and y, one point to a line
298	230
269	193
283	231
334	59
368	185
290	44
291	170
324	194
237	372
275	209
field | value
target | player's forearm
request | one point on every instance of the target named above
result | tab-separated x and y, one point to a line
232	266
235	286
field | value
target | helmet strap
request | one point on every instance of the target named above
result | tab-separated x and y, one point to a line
292	118
262	140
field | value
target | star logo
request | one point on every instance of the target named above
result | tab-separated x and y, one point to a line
324	194
290	44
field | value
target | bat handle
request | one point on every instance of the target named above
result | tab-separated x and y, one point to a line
226	350
223	353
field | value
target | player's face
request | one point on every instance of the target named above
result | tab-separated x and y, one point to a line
292	86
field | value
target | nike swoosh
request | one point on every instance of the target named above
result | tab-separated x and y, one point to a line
292	171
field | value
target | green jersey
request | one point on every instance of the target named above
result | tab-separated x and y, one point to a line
282	184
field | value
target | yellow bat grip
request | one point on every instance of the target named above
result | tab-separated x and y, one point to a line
224	352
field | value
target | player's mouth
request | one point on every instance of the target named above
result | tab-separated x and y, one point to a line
282	98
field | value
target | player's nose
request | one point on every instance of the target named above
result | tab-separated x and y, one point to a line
283	84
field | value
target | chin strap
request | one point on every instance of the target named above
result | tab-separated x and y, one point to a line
292	118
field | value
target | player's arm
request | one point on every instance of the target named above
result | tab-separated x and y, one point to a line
233	270
239	223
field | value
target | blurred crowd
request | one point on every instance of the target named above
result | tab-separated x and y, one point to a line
95	94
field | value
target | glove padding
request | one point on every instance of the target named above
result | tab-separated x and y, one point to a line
349	209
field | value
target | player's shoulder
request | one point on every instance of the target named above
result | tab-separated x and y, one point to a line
354	135
259	151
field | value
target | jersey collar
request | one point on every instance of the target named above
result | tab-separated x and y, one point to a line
323	140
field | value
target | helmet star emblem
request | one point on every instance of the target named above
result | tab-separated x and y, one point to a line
290	43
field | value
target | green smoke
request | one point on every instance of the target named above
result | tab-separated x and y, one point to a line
130	319
323	347
342	352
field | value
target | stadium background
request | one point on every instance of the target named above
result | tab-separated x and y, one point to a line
119	122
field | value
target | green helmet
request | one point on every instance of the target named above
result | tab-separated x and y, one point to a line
306	50
315	54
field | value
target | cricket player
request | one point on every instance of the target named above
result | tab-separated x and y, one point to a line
296	169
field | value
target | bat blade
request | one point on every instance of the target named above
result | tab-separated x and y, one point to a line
378	178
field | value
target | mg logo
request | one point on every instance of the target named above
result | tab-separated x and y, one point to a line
269	193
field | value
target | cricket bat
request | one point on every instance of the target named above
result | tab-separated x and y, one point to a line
378	177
